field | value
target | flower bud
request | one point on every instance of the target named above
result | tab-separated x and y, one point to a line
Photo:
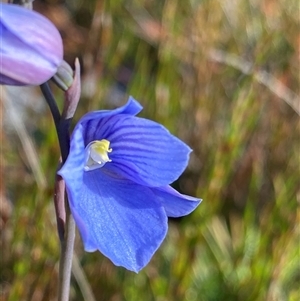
31	47
64	76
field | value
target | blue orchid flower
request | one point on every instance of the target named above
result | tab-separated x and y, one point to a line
117	176
31	47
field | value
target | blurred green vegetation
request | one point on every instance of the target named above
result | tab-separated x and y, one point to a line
218	74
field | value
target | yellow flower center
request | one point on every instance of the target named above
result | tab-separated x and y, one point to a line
96	154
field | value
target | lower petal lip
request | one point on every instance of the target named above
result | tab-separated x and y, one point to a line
121	219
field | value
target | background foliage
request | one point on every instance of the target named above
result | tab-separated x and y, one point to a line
218	74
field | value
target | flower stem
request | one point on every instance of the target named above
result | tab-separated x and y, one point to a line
61	124
65	263
66	231
59	205
51	103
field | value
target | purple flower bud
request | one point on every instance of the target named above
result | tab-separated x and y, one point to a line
31	47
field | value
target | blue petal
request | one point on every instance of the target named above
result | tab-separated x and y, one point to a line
74	165
175	203
132	107
121	219
143	151
76	157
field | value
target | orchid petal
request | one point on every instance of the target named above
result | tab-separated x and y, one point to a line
142	150
121	219
175	203
77	146
74	165
91	120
